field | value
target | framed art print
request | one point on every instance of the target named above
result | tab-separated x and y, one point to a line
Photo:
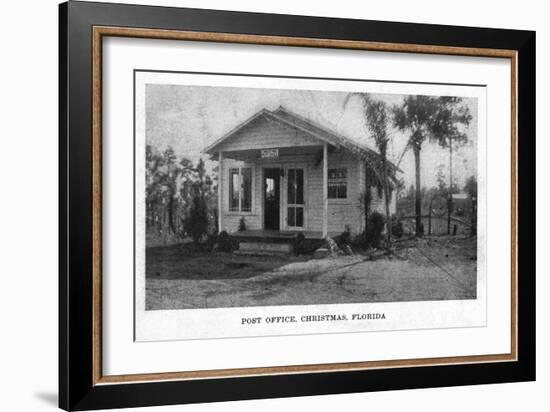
259	205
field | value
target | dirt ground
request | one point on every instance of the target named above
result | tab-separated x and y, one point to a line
437	268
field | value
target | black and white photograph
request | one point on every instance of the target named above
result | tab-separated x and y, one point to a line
272	196
252	206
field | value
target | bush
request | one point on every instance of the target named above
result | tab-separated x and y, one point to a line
344	239
300	244
358	242
211	241
396	227
242	224
371	237
196	223
226	243
375	227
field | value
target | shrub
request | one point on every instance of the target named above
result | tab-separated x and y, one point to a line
344	239
300	244
196	223
396	227
375	227
358	242
225	242
211	241
242	224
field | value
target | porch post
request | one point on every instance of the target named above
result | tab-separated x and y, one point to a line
220	192
325	190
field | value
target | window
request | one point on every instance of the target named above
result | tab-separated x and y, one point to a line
337	183
240	189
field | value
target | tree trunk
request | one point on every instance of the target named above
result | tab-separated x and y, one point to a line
367	198
450	195
430	217
418	196
386	199
171	212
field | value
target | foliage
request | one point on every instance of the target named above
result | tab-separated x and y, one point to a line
437	119
344	239
175	189
377	121
399	187
450	120
225	242
242	224
375	227
359	242
396	227
365	201
470	187
211	241
300	244
196	222
161	177
373	234
214	212
430	197
443	189
372	178
441	181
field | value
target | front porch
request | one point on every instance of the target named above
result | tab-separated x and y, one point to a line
277	196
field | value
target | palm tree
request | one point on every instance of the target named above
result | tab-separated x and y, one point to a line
377	119
416	116
451	116
430	118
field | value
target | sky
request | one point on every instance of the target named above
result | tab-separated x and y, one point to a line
190	118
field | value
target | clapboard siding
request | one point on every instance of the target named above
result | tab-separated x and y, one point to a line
341	212
345	213
264	132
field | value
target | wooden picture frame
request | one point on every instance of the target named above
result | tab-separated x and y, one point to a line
82	385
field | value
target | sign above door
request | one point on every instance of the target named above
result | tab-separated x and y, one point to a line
269	153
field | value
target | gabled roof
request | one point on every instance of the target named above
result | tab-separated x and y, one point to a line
314	129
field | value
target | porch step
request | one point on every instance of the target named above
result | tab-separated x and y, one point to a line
263	248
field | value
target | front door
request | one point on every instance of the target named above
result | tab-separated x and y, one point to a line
295	198
271	198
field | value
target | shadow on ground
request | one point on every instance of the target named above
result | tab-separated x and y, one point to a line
49	398
191	263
